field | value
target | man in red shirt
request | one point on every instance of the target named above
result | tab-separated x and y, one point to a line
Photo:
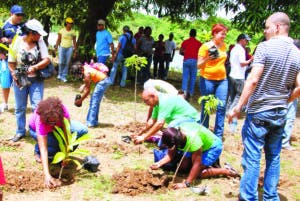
189	50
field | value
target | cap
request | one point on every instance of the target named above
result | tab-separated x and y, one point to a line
35	25
16	9
243	36
126	28
101	22
69	20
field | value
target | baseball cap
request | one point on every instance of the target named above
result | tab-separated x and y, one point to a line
69	20
16	9
126	28
243	36
101	22
35	25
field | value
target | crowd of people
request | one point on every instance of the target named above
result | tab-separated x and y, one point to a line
268	95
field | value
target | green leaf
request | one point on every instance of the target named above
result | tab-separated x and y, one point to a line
61	144
68	129
82	139
80	152
59	156
61	133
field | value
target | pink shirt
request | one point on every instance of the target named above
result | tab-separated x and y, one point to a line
42	128
191	47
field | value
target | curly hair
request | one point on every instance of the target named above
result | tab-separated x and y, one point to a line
50	107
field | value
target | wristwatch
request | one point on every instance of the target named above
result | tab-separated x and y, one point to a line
187	184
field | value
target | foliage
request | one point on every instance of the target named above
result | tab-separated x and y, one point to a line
136	63
67	142
211	103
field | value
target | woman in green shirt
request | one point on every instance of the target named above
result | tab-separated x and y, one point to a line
203	148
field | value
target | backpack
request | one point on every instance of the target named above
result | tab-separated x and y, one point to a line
128	49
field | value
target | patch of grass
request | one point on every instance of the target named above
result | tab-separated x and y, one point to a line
8	149
96	187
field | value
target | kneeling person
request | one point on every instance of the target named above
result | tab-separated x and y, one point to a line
50	113
203	148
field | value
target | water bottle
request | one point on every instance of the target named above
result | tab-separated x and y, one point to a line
233	126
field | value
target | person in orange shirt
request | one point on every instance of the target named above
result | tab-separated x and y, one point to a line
211	62
93	73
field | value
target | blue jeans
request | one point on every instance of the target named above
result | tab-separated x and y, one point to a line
64	55
102	59
235	91
119	60
168	61
144	74
290	119
189	75
99	90
262	130
219	89
52	142
36	93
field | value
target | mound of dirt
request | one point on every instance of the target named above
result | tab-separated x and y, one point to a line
21	181
132	127
133	182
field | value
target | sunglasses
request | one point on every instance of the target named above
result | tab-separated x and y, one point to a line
35	33
19	15
69	23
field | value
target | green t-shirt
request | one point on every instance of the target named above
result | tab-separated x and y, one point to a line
171	107
197	137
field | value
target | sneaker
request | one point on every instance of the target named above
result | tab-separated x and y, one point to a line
3	107
289	148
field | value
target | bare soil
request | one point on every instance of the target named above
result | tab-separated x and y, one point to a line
124	164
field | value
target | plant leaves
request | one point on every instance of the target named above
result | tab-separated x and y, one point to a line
80	152
82	139
59	156
61	143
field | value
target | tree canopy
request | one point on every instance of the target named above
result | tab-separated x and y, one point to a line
250	15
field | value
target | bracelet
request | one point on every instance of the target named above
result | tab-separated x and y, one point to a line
187	184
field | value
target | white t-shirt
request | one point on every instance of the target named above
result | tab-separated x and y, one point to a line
237	55
169	46
17	52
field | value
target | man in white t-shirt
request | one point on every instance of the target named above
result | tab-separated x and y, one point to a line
170	47
238	64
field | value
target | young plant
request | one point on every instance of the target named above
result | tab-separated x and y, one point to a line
67	142
137	63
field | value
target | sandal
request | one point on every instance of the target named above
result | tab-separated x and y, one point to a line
233	172
37	158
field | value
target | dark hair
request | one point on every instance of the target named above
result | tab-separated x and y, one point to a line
193	32
172	136
50	107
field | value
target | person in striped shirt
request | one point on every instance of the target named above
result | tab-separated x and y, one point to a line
273	82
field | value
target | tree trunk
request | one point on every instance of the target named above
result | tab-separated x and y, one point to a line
97	9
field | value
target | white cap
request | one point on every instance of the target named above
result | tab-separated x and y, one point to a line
35	25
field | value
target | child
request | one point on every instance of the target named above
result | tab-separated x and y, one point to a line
2	178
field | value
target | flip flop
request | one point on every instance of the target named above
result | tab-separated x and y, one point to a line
126	139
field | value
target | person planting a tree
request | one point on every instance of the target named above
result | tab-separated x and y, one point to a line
95	73
203	149
49	114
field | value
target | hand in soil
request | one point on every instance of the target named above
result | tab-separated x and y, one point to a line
179	185
139	139
155	166
51	182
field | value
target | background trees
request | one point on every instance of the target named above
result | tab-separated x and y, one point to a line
86	12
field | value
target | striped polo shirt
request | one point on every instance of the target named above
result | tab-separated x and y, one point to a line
280	60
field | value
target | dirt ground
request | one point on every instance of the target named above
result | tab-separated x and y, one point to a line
124	172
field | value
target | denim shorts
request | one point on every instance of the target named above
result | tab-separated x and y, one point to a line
211	155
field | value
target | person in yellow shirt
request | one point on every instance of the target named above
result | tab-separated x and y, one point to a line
66	44
211	62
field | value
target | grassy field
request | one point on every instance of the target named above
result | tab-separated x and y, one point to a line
116	118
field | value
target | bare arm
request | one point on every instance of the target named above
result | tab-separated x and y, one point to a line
86	90
50	182
149	131
112	50
296	92
58	41
166	159
248	89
